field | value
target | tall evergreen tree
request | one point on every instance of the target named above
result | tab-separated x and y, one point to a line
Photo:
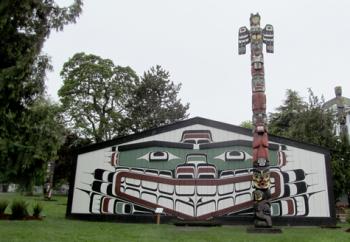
303	121
155	102
284	118
340	154
309	122
38	139
24	26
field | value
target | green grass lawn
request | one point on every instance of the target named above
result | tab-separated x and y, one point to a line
55	227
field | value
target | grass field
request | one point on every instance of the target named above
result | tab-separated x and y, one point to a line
55	227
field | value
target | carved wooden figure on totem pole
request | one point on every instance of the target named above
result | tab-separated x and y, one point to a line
257	36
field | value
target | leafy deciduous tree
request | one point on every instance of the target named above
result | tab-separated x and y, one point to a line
93	95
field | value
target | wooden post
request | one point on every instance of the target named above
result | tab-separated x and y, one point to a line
158	211
158	218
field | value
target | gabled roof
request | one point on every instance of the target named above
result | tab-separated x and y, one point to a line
193	121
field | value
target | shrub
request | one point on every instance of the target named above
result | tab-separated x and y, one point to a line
37	209
19	209
3	206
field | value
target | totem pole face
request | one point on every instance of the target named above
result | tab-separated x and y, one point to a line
258	83
259	195
254	20
338	91
261	178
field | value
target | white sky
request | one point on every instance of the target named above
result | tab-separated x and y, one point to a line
197	42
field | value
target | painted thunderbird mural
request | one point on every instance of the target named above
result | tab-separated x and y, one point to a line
195	178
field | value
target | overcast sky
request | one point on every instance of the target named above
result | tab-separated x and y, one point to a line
197	42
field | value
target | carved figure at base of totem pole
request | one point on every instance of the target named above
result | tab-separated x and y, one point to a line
261	173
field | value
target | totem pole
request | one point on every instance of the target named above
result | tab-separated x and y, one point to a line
341	114
261	174
48	185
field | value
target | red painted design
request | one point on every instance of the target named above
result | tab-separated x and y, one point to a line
185	170
190	182
259	102
260	146
290	204
206	170
105	203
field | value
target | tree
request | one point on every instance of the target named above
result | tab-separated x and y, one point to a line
281	121
65	160
93	95
248	124
154	102
24	26
40	136
309	122
303	121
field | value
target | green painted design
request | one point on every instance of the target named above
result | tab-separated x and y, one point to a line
140	158
275	209
231	165
119	208
131	158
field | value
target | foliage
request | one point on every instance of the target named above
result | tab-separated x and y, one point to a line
304	121
24	26
37	209
154	102
64	163
93	95
41	136
101	100
3	206
281	122
309	122
248	124
19	209
340	154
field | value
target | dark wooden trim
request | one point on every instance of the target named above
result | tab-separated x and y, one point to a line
71	186
331	199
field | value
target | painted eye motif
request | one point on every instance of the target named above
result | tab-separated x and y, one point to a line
233	156
158	156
